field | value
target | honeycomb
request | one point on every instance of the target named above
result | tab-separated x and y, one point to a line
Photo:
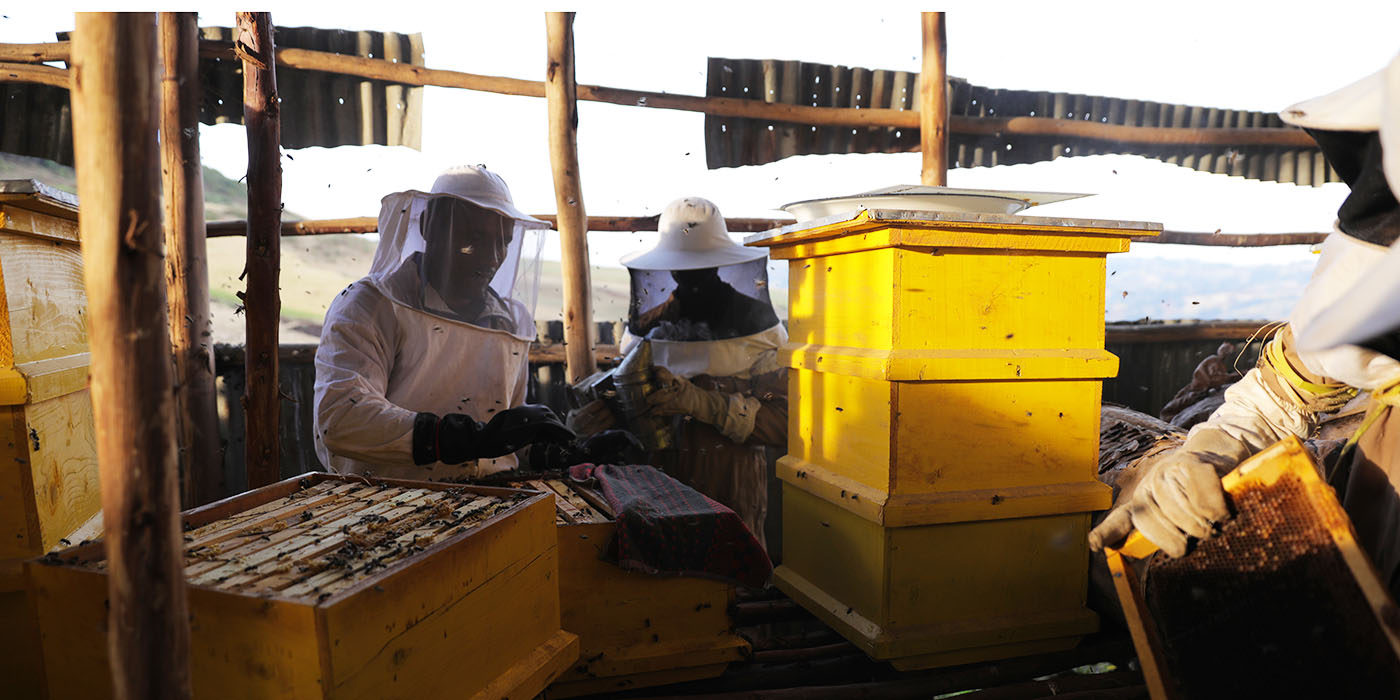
1269	608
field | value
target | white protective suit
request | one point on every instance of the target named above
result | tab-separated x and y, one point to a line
702	302
422	332
1298	384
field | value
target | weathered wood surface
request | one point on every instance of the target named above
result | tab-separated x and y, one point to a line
115	112
933	97
262	302
187	262
562	94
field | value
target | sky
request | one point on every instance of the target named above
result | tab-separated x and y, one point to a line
633	161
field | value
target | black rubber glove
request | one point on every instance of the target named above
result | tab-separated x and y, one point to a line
456	438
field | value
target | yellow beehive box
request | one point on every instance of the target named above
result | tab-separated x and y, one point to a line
49	481
943	403
331	587
634	630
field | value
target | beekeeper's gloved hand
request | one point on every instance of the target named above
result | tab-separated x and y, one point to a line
456	438
732	414
1180	497
592	418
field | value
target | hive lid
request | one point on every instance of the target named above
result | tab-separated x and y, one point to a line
928	198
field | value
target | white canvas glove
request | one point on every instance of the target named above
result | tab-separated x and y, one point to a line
732	414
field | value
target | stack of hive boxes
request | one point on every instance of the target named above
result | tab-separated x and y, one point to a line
944	402
48	451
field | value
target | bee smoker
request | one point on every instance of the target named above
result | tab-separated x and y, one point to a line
625	389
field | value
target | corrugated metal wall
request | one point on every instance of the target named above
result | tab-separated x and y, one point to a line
731	141
318	108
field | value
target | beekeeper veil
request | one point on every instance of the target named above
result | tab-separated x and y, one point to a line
697	284
461	252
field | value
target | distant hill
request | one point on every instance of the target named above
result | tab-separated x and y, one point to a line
223	198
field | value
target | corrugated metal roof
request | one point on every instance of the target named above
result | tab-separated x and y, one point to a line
318	108
732	141
325	109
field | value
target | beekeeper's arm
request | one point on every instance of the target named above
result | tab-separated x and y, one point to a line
1285	395
353	364
741	417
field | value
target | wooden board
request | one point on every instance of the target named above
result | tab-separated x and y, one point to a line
484	590
45	298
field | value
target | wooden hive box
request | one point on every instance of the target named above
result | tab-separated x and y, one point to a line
944	395
49	481
634	630
330	587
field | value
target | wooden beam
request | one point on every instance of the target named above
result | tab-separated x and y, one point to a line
115	122
27	73
262	303
379	69
933	99
36	53
1185	331
1233	240
187	262
572	222
805	115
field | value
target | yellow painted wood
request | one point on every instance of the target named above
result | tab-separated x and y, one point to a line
54	377
495	593
630	623
14	389
899	510
949	300
21	663
906	591
842	422
19	520
531	674
476	614
951	365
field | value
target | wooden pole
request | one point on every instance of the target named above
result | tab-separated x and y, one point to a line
118	167
568	195
27	73
262	302
933	101
187	263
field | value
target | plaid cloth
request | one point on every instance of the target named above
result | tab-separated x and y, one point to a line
666	528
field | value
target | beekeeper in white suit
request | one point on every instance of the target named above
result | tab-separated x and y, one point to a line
421	370
1340	348
702	300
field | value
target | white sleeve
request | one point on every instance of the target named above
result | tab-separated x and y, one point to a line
353	363
1254	416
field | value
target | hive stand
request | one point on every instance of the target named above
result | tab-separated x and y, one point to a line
946	375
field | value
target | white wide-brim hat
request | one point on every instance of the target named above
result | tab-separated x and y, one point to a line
693	237
485	189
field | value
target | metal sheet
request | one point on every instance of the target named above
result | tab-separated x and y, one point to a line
731	141
318	108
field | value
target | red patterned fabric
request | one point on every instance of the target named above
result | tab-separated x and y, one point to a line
666	528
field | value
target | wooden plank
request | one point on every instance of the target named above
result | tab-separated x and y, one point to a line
45	297
19	519
512	600
1141	626
17	216
63	465
21	662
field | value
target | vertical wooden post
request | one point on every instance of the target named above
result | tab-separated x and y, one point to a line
933	100
561	91
262	304
114	97
187	263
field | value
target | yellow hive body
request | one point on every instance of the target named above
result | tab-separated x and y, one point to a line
473	614
944	392
634	630
49	481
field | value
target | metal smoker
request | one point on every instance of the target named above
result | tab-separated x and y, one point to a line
625	389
